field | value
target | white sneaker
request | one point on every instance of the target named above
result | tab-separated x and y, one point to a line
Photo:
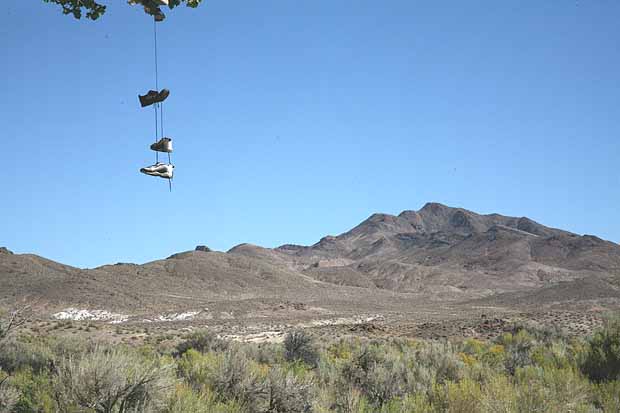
163	170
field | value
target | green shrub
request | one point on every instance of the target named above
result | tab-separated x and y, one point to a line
499	395
441	360
602	359
8	394
472	347
36	392
17	355
286	393
556	354
377	375
230	376
202	341
520	372
264	353
111	380
541	333
550	389
517	349
607	396
382	373
463	397
185	400
417	403
349	401
68	347
298	346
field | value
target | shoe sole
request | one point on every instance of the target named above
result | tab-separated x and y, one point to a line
159	149
166	175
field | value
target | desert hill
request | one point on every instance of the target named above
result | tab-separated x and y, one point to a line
437	254
439	248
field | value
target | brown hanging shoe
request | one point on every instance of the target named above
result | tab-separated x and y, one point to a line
153	96
163	145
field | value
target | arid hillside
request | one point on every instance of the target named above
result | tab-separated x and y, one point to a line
437	256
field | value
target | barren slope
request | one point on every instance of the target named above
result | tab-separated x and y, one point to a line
386	263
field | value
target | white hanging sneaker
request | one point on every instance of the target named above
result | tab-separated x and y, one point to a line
163	145
163	170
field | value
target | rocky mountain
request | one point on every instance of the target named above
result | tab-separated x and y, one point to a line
450	251
437	254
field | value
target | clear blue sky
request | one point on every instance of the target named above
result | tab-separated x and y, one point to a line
296	119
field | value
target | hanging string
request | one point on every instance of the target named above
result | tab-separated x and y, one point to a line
161	117
156	129
161	105
156	86
155	35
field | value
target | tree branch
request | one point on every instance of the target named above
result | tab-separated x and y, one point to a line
17	319
94	9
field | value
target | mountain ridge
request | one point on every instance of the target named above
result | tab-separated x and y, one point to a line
438	253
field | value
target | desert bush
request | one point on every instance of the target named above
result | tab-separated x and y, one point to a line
550	389
472	347
382	373
202	341
298	346
518	373
185	400
349	401
16	355
441	360
68	347
8	394
35	392
377	375
8	398
556	354
472	350
386	381
110	380
481	373
463	397
264	353
602	359
499	395
517	350
532	396
417	403
494	356
230	376
385	375
286	393
539	332
607	396
340	349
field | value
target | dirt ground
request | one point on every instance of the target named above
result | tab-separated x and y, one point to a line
270	323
